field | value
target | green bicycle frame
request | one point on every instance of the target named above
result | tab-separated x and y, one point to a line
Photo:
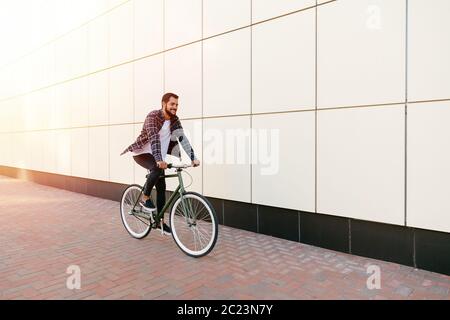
179	190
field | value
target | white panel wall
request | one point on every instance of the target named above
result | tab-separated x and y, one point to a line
121	168
61	107
5	142
429	49
4	76
148	86
98	84
63	152
36	150
49	149
283	71
115	3
99	153
71	55
75	103
97	7
183	76
79	102
121	34
5	115
226	154
266	9
43	66
80	152
34	113
361	52
283	157
148	27
222	16
62	59
8	156
428	166
46	106
360	163
17	146
28	110
121	101
77	52
183	22
7	90
226	74
26	145
69	15
98	54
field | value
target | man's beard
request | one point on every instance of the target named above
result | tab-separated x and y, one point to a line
171	115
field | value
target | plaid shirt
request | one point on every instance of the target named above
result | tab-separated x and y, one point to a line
150	132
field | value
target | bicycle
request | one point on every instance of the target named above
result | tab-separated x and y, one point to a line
192	218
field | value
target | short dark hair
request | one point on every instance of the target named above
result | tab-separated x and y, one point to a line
166	97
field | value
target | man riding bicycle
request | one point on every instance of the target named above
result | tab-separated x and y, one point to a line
160	132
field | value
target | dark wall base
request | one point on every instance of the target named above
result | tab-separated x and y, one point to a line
423	249
101	189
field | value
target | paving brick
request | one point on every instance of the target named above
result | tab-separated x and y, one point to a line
42	237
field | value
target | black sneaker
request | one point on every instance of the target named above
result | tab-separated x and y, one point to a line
148	205
166	229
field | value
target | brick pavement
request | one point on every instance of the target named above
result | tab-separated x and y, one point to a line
44	230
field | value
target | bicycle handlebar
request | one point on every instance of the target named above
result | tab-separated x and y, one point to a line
182	166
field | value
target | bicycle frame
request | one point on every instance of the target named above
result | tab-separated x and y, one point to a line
179	190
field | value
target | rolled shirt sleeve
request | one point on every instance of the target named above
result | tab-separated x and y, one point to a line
178	132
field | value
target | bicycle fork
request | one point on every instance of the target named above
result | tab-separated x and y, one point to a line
188	211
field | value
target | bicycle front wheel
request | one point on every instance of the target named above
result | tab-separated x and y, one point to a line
194	224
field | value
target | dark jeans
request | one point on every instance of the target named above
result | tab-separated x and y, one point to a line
147	161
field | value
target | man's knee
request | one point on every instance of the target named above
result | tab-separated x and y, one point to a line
156	173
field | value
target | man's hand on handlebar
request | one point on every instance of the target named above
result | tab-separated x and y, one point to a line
195	163
162	164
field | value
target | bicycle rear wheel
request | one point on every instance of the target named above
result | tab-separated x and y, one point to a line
194	224
134	221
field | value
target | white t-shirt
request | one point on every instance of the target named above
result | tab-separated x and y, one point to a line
164	137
